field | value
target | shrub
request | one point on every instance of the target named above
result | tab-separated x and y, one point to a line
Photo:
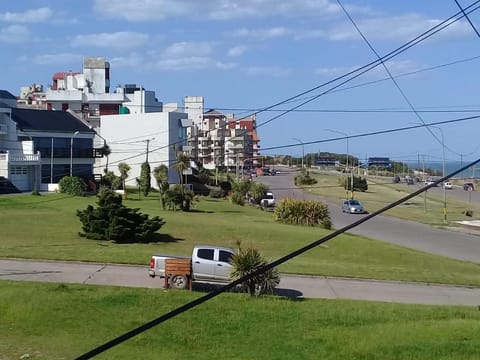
258	191
72	185
226	187
242	186
248	260
359	184
216	193
111	220
302	212
237	198
304	179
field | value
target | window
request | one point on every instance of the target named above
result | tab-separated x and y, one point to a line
18	170
206	254
225	256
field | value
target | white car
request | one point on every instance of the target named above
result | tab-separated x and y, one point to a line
448	185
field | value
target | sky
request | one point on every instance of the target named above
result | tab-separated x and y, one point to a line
247	55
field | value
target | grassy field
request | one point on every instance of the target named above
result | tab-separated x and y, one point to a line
57	321
46	227
382	191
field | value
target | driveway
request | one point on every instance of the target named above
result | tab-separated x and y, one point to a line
290	285
444	242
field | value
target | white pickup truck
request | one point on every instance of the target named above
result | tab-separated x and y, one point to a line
208	263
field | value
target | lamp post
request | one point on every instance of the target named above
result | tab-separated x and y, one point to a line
443	173
303	149
346	162
71	152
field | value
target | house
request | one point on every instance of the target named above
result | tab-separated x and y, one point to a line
39	147
136	138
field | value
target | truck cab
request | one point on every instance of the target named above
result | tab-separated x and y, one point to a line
211	263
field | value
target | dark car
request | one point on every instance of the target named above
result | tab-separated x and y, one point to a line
353	207
468	186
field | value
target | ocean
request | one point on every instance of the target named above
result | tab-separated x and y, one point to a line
450	167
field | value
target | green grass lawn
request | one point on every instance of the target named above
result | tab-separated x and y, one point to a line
46	227
57	321
382	191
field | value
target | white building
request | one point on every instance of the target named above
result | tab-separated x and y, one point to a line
39	147
134	137
87	93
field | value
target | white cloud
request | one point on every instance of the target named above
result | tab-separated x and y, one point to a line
396	68
14	34
191	63
224	10
129	61
57	59
122	39
29	16
273	71
263	34
401	28
188	49
237	50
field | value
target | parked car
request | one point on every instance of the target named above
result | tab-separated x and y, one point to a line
468	186
268	200
430	182
352	207
409	181
448	185
207	263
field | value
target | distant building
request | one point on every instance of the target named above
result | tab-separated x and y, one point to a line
87	93
379	162
220	140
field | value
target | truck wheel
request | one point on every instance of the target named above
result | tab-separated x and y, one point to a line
179	282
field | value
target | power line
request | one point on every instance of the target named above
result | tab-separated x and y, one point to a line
468	19
181	309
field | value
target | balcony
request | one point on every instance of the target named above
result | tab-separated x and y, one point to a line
18	158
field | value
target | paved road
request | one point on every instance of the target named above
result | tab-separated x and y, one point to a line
453	244
291	286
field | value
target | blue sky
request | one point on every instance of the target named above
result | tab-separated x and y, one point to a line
250	54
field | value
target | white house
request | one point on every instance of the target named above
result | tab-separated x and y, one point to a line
39	147
134	138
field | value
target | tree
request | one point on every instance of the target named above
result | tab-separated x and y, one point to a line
113	221
258	191
160	173
72	185
123	168
249	260
182	164
105	151
145	179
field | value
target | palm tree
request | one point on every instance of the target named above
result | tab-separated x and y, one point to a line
248	260
124	168
161	177
106	151
182	164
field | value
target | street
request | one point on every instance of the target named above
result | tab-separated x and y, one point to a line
290	286
444	242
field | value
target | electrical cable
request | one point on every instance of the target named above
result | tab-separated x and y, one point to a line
468	19
181	309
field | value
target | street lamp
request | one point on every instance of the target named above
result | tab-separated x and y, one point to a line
346	162
71	153
443	174
303	149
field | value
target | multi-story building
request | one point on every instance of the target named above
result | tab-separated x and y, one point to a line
219	140
87	93
38	147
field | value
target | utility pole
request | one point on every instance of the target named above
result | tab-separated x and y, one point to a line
148	147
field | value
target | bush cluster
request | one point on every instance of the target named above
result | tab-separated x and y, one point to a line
304	179
359	183
302	212
72	185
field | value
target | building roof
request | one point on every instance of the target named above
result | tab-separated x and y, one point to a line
45	120
4	94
